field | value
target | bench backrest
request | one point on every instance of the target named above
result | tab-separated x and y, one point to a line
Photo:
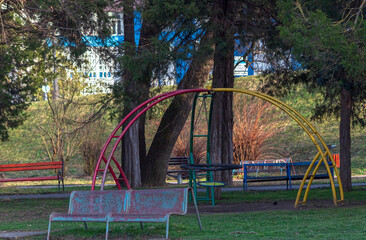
98	202
158	201
30	166
178	161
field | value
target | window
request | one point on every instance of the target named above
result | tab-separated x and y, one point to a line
117	24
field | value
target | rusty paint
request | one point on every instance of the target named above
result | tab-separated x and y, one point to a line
151	205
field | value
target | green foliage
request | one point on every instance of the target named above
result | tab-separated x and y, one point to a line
327	39
20	52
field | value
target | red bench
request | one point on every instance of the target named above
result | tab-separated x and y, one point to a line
336	159
33	167
150	205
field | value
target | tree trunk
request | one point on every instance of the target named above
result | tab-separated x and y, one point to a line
136	88
56	90
154	166
148	31
131	166
223	77
345	139
130	142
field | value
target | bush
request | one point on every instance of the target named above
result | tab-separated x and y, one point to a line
254	126
92	145
181	148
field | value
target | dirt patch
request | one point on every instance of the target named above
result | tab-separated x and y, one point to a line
20	235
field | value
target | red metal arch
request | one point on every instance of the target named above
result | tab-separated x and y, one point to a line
102	157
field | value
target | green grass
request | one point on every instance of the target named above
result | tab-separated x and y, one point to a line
357	195
311	223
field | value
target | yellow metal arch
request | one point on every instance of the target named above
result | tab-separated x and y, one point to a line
323	150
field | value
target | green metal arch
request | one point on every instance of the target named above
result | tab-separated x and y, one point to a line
323	150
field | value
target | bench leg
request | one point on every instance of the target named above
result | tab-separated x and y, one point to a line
167	229
196	209
179	178
49	229
107	227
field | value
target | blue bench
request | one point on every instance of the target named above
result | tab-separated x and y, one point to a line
280	166
150	205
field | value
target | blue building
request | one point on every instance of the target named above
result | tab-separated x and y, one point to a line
101	74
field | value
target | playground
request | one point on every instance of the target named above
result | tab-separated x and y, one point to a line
116	213
182	120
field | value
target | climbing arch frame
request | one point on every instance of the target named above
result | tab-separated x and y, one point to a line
323	150
108	157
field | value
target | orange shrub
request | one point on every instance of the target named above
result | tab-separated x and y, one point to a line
254	126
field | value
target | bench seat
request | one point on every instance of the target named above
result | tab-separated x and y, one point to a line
62	217
30	179
138	218
264	179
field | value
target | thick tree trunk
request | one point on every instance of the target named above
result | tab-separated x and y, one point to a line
131	166
223	77
148	31
221	136
345	139
154	166
136	91
130	142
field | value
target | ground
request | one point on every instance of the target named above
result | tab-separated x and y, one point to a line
264	206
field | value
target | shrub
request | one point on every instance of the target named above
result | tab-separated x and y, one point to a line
181	148
254	126
92	145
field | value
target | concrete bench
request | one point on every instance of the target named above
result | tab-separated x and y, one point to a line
150	205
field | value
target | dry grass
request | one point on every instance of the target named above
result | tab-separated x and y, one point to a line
254	126
181	148
92	145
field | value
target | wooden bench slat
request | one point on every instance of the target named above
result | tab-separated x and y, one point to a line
29	179
14	169
30	164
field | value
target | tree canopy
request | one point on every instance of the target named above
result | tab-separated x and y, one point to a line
325	42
